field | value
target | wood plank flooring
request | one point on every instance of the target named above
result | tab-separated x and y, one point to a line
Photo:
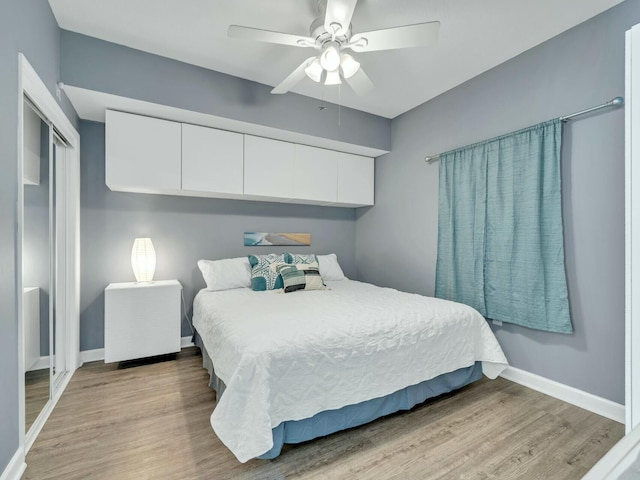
152	422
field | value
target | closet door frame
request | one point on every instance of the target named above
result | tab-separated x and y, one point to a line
32	87
632	227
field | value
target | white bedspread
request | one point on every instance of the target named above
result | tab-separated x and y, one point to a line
290	356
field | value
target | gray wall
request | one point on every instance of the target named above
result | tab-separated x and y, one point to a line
187	229
396	240
28	27
106	67
183	230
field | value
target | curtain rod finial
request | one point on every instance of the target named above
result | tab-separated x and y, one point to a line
617	102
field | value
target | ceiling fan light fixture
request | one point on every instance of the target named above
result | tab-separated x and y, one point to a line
331	34
330	57
349	65
333	78
314	71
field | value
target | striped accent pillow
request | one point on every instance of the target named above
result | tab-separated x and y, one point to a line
301	276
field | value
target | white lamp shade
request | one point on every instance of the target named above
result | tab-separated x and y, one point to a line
330	58
143	259
333	78
314	70
349	65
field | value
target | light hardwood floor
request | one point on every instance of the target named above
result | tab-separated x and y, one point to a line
152	422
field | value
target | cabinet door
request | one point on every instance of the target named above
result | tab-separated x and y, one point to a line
211	160
316	174
268	167
142	153
355	179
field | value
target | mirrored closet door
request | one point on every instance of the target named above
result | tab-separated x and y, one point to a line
43	272
48	252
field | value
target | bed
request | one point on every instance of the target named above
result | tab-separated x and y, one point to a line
291	367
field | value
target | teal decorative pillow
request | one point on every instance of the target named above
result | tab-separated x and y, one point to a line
301	258
263	276
301	276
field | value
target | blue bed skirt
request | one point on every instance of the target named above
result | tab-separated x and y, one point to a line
331	421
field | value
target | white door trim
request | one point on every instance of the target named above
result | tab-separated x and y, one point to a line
632	230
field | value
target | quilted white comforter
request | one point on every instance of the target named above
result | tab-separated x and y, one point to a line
290	356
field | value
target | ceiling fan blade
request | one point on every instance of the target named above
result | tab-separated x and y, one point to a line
248	33
339	12
360	83
293	78
418	35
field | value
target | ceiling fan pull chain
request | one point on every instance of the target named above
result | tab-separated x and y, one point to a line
322	105
339	103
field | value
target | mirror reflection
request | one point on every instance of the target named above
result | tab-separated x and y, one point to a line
36	264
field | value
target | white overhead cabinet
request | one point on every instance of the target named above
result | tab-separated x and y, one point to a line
149	155
143	153
355	180
268	168
212	160
315	174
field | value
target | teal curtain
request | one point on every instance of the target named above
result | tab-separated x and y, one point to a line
500	237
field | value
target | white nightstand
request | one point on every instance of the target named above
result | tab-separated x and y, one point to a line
141	319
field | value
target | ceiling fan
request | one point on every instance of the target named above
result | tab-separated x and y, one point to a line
331	35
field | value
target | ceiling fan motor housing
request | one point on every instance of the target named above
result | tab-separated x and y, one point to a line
321	36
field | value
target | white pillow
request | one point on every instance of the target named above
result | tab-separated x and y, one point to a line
226	274
329	268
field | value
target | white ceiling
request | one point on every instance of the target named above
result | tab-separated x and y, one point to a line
475	35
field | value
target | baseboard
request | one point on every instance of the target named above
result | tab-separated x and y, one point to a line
579	398
92	355
15	468
41	364
98	353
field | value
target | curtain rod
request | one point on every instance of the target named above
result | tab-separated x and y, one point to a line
614	102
